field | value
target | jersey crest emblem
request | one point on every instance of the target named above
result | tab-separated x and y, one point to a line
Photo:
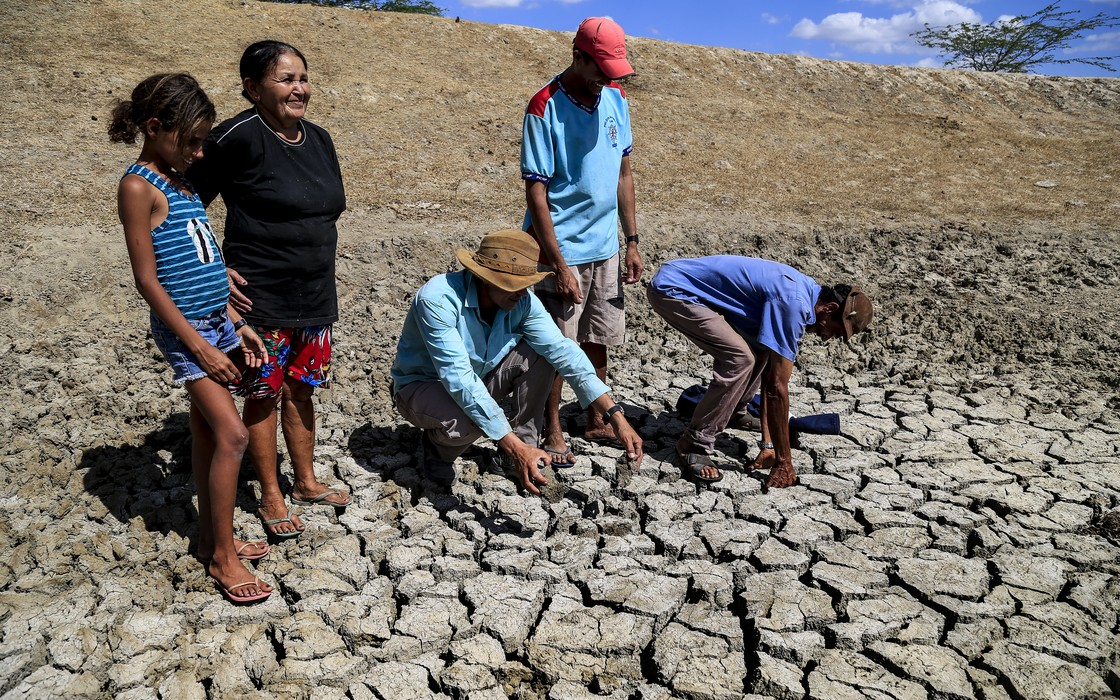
612	131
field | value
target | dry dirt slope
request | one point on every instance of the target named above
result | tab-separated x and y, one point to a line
921	182
428	110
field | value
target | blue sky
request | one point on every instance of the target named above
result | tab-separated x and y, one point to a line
871	31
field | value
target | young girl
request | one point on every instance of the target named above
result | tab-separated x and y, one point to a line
180	273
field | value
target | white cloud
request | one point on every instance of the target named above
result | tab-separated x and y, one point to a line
492	3
884	34
910	4
769	18
1103	43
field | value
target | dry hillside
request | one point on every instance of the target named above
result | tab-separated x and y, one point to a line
924	183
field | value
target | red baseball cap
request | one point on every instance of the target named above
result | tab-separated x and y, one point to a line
604	40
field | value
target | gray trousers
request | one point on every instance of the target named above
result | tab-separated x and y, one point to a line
522	373
736	372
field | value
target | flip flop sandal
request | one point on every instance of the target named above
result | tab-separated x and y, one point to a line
241	555
693	463
236	599
567	458
279	535
321	499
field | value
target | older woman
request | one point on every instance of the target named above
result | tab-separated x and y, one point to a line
279	177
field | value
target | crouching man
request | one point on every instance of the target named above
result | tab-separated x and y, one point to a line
749	315
475	336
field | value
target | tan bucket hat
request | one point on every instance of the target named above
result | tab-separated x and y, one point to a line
506	259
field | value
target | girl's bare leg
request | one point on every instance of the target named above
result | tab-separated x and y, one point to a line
220	439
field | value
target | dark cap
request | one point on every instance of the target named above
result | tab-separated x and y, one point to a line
857	313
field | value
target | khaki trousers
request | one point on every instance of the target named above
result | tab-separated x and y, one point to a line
522	373
736	370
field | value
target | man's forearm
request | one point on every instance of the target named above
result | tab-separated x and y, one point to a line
777	421
775	400
626	200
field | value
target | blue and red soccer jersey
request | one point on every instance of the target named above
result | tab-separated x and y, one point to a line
577	152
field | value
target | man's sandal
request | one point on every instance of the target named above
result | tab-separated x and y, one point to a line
693	463
562	459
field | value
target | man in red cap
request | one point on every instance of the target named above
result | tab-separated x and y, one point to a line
575	160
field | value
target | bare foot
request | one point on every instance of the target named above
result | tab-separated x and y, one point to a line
764	460
278	519
318	494
781	476
601	433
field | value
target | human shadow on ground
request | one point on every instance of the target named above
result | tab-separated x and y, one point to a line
152	480
394	454
383	450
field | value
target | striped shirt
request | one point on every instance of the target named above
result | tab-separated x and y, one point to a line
189	264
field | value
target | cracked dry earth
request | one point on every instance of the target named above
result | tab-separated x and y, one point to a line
960	538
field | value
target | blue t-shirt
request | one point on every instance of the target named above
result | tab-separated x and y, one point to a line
577	151
770	302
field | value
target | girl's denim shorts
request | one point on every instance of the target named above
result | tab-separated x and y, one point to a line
215	329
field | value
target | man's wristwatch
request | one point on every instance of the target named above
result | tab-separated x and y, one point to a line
609	413
239	324
632	239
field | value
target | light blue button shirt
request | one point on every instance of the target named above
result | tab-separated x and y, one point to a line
445	339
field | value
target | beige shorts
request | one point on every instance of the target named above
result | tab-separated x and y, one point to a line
600	318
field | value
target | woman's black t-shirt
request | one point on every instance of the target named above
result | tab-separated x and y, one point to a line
282	203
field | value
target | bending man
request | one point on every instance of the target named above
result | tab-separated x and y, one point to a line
749	315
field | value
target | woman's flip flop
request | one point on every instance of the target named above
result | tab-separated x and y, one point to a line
252	556
233	597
